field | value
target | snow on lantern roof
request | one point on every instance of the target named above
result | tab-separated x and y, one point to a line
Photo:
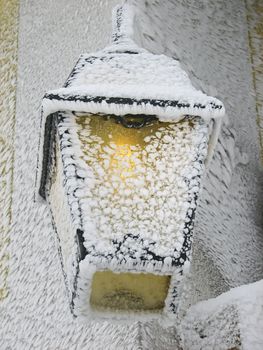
126	71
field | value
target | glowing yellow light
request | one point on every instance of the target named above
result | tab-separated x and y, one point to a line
121	160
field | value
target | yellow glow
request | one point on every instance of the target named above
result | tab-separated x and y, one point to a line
125	142
121	163
109	130
129	291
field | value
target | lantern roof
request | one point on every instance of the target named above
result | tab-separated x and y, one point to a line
124	76
132	82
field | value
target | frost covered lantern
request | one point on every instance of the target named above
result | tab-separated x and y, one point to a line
122	151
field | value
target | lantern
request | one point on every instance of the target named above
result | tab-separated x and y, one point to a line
122	151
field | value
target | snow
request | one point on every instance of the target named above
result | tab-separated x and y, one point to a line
240	308
210	38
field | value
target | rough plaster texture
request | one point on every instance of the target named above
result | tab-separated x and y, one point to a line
211	37
8	68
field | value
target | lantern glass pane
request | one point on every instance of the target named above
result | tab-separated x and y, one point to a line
137	181
128	291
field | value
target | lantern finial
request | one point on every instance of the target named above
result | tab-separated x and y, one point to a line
123	35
